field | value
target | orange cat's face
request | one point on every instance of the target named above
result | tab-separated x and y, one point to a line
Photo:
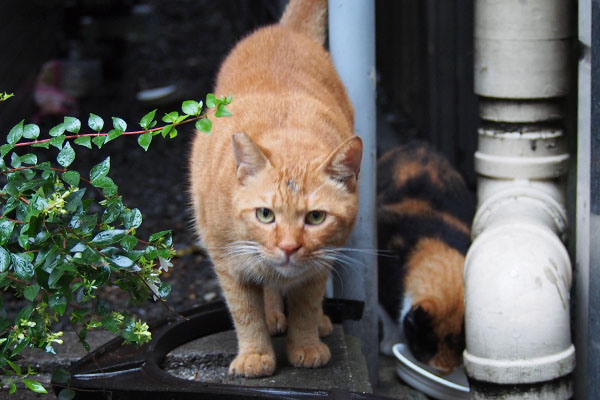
291	218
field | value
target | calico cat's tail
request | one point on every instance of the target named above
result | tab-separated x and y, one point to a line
308	17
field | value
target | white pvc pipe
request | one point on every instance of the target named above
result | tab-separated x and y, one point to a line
522	48
517	271
352	47
540	154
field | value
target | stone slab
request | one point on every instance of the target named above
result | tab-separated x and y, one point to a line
207	360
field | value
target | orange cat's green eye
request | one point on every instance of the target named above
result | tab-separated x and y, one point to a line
265	215
315	217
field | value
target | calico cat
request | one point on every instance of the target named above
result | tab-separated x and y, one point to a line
424	215
274	187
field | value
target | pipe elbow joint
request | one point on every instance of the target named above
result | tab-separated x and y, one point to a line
517	281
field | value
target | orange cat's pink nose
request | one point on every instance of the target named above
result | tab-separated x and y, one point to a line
289	248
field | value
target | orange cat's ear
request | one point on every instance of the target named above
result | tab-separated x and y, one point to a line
343	164
249	159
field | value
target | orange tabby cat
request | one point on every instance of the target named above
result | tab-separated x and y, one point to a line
274	187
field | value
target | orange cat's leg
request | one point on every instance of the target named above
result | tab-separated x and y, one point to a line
255	357
304	348
325	326
276	321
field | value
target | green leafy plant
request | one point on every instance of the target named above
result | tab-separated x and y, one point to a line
56	253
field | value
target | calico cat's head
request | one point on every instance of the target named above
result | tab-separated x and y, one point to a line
290	217
430	343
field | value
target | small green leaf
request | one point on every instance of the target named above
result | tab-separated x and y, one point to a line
5	148
4	259
147	119
14	367
66	156
57	130
164	290
21	346
66	394
61	376
191	107
112	212
180	119
95	122
24	313
58	141
113	134
78	248
31	131
23	268
132	218
10	205
128	243
29	158
166	130
55	276
15	134
144	140
71	177
12	388
173	133
119	124
122	261
41	237
100	170
5	96
170	117
211	100
110	323
74	201
84	141
72	124
108	237
15	160
6	228
222	111
34	386
103	182
31	292
204	125
107	184
98	141
158	235
58	303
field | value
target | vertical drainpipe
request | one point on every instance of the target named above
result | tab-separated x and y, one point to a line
517	271
352	47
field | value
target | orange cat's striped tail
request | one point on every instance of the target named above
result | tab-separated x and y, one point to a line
308	17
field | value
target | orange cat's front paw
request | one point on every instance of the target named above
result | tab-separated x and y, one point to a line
276	322
253	365
309	356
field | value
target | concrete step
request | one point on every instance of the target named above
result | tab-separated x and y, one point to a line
207	360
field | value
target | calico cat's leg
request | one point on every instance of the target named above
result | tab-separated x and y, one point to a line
255	357
304	348
274	312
